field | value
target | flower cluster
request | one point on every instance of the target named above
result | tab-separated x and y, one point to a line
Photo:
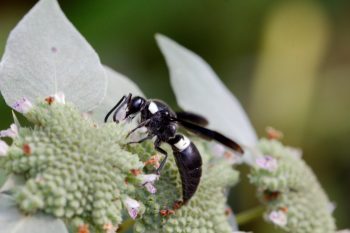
295	200
75	169
84	173
206	210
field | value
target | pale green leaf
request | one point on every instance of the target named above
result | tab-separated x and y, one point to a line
118	85
198	89
45	54
15	120
13	221
12	181
2	176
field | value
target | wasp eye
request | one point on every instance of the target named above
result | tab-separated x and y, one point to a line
135	106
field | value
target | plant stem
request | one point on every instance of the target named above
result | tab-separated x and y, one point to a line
249	215
124	227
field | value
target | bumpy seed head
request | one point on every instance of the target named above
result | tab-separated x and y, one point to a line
85	174
295	200
205	212
75	170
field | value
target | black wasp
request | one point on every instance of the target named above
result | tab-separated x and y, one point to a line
162	122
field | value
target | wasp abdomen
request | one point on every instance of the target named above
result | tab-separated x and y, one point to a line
189	162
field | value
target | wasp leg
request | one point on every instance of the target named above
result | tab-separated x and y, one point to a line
159	149
141	140
142	124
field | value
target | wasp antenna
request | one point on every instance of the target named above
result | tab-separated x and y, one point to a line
114	108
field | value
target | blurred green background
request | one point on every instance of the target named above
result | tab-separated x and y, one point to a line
288	62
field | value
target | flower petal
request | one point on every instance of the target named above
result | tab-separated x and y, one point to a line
267	162
148	181
149	178
150	188
12	132
60	98
23	105
132	206
278	217
3	148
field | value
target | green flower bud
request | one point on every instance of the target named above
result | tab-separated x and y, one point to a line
205	212
85	174
294	198
75	170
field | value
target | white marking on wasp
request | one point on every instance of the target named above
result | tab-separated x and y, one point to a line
183	143
153	108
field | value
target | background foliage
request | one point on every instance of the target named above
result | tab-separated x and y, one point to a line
287	62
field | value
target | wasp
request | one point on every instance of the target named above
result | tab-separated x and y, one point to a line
162	123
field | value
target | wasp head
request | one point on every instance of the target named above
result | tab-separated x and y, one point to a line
134	106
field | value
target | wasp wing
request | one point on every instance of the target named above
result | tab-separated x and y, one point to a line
210	134
192	117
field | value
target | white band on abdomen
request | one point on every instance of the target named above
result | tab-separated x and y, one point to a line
183	143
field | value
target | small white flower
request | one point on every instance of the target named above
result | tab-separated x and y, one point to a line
86	115
217	149
295	152
267	162
23	105
331	206
278	217
109	228
150	178
60	98
220	151
150	188
11	132
3	148
133	207
148	181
